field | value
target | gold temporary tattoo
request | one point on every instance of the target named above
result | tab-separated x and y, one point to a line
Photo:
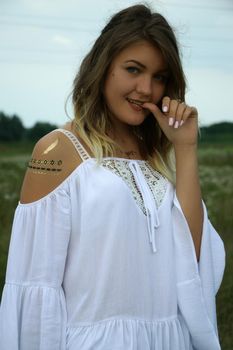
129	154
50	147
43	166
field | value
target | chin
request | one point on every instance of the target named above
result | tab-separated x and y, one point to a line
137	122
143	117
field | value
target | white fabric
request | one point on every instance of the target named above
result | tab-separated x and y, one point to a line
87	269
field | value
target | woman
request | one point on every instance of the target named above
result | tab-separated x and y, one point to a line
112	248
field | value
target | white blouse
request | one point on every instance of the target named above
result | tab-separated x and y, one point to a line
106	261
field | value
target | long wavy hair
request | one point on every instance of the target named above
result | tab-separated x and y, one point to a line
91	115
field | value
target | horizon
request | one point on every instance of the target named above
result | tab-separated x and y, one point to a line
42	46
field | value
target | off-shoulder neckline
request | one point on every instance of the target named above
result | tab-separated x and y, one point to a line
76	170
89	156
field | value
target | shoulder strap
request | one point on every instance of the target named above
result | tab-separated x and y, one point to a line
77	144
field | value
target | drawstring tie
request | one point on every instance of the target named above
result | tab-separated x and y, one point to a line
149	202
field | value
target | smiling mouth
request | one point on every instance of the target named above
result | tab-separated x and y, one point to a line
136	102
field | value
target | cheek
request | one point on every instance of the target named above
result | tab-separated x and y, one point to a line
118	81
111	86
158	93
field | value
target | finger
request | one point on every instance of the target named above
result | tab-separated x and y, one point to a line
172	112
153	109
166	104
187	113
179	115
194	112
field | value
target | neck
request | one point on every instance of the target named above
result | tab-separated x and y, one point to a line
128	145
123	137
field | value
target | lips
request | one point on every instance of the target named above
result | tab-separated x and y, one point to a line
135	105
136	102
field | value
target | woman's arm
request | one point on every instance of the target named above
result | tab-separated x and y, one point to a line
197	283
189	192
184	139
33	306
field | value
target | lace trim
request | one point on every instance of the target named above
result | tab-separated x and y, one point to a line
157	183
79	147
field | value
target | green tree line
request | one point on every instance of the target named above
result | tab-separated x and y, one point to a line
12	129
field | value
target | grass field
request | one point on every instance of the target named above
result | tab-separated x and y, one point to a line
216	173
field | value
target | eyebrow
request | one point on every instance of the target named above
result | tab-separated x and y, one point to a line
142	65
139	63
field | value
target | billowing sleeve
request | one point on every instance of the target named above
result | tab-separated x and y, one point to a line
198	281
33	306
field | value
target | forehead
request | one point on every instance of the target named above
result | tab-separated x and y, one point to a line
144	52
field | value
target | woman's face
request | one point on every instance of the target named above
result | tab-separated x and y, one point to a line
137	74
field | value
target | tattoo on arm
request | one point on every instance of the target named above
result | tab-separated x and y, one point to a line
44	166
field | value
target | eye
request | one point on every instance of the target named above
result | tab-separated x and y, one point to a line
133	70
161	78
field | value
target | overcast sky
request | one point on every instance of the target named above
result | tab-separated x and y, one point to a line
43	41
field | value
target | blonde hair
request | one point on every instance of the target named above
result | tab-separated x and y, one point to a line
91	115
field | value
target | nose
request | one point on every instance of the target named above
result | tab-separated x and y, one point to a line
144	86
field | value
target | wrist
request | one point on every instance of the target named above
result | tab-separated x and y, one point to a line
186	154
185	147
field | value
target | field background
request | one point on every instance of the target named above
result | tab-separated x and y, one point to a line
216	173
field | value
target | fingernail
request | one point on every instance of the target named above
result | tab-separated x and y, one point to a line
165	108
176	124
182	122
171	121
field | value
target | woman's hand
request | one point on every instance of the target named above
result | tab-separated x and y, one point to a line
178	121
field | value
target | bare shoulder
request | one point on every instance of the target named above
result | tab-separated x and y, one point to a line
53	159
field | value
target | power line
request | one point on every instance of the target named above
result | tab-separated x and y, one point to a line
188	43
48	26
88	29
180	5
199	6
26	50
48	18
218	60
187	35
35	62
30	17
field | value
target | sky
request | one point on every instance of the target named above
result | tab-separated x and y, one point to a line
43	42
